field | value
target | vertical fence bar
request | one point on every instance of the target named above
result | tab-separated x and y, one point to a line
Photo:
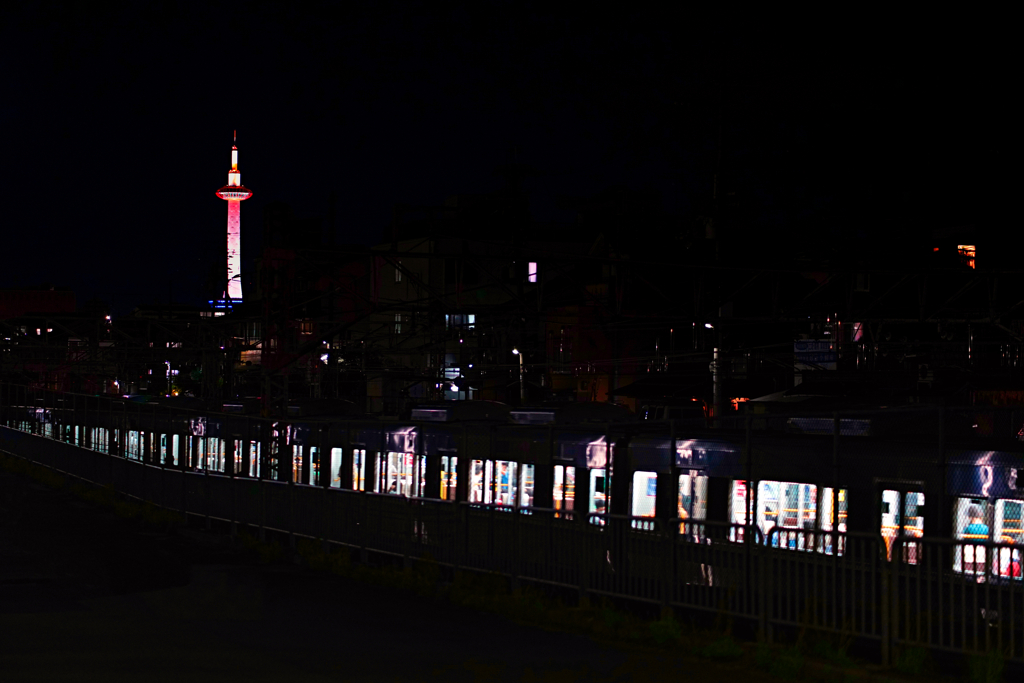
886	618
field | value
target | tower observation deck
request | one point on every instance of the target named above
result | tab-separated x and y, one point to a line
234	193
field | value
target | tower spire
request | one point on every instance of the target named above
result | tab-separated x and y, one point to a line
234	193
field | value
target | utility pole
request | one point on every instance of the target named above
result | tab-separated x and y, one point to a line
522	384
716	374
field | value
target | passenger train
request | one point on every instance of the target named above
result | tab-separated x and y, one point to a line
802	486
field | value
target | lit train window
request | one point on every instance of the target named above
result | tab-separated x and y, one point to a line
1009	518
399	474
738	502
296	464
891	518
564	488
335	468
476	481
788	506
828	515
211	455
693	500
449	466
254	457
902	514
380	475
314	466
599	493
526	487
645	492
419	473
503	484
358	469
738	507
913	519
493	481
98	439
833	518
970	524
405	474
272	457
644	497
169	449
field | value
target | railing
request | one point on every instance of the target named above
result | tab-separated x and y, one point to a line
957	596
936	593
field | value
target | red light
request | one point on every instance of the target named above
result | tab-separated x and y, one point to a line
935	248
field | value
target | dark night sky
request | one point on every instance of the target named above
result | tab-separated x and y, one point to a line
117	123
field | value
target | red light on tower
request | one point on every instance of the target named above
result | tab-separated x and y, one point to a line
233	193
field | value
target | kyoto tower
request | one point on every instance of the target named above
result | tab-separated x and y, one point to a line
234	193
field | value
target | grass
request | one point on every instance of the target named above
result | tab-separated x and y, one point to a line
599	619
913	661
104	497
986	668
782	662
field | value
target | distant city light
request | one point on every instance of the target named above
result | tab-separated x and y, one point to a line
515	350
967	253
709	326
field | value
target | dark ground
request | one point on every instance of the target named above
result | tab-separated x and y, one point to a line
88	595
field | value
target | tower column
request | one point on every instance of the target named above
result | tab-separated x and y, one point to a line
234	193
234	250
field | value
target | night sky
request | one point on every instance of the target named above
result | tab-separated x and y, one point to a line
117	124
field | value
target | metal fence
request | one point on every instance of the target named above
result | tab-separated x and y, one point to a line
907	590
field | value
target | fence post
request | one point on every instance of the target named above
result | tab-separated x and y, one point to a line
888	608
364	553
766	587
409	529
669	531
516	568
750	514
580	531
230	465
265	440
833	530
325	474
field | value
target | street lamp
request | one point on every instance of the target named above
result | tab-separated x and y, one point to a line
522	386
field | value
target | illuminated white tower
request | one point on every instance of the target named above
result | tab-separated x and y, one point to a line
234	193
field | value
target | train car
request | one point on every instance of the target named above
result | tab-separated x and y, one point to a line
986	508
798	490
